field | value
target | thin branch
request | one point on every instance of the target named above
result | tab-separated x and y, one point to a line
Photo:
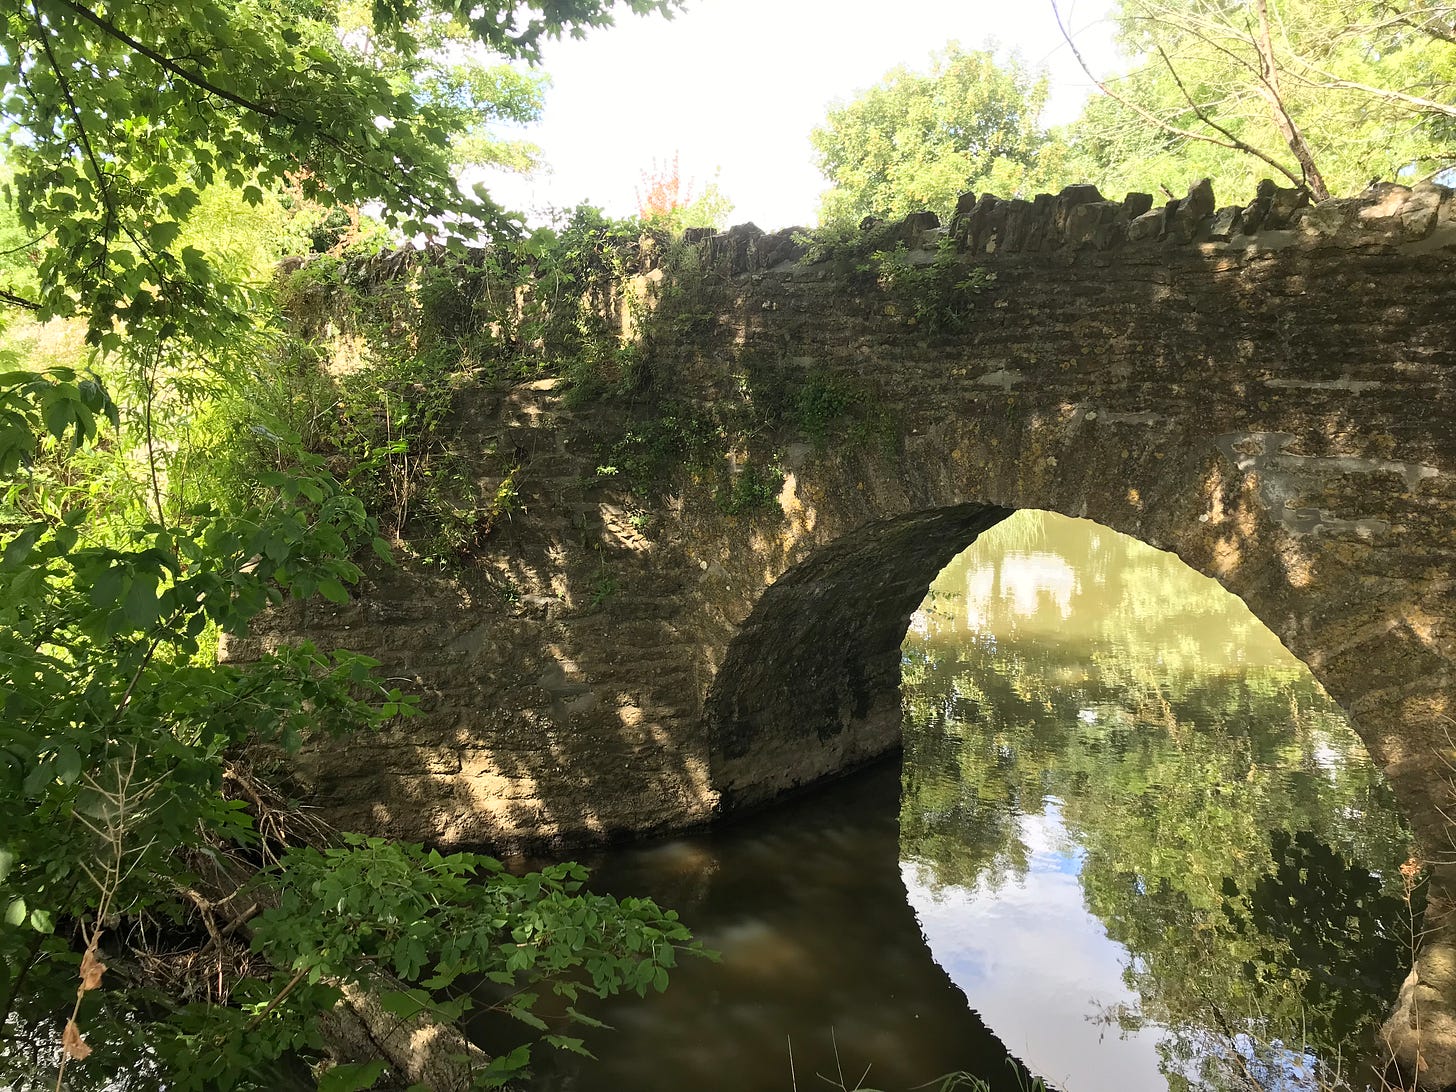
1266	73
108	198
278	1000
82	136
1296	140
107	27
150	384
202	83
1415	102
1230	140
25	245
14	300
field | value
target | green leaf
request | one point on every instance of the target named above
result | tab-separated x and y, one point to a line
568	1044
15	912
68	764
351	1076
58	415
401	1003
42	921
19	547
332	590
140	606
163	234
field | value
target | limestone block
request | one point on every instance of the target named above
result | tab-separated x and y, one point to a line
985	223
1084	220
1067	203
1110	234
1018	214
1227	222
1283	204
909	230
1199	203
1147	226
1135	205
1328	218
1040	224
960	219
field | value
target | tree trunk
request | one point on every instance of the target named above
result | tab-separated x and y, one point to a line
418	1049
1271	93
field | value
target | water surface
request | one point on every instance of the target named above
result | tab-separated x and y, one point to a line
1133	845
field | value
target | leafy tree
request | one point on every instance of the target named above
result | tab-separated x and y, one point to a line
917	140
665	197
160	922
1322	96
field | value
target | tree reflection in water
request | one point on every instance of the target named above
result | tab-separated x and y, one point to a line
1226	826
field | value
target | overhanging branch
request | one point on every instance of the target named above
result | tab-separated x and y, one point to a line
1229	139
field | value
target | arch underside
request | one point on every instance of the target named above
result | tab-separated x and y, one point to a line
810	686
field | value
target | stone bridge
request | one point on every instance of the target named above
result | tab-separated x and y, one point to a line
1268	391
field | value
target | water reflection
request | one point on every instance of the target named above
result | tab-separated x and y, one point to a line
824	974
1133	844
1136	832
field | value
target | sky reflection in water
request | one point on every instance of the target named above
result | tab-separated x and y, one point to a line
1132	821
1126	819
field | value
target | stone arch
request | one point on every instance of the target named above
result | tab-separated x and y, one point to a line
1268	392
808	674
808	684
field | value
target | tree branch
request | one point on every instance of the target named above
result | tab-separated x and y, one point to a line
1269	88
14	300
202	83
82	137
1414	102
1229	141
196	80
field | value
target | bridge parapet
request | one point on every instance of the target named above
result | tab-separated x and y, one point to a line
1080	217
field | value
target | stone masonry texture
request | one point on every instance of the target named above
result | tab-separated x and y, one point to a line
1266	390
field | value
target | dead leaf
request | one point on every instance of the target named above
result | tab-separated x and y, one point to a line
91	971
73	1044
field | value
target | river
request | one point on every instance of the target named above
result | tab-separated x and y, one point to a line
1130	845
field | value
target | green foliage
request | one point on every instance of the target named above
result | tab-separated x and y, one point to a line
822	402
751	489
376	381
652	447
456	925
1368	85
129	112
153	495
935	297
918	140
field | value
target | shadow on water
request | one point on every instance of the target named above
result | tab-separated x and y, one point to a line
821	953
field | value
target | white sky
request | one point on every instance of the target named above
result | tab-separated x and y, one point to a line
735	86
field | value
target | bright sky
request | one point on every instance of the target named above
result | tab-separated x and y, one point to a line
735	86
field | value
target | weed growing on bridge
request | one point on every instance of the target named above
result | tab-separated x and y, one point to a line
936	297
752	489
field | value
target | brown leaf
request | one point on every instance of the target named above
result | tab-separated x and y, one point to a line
91	971
73	1044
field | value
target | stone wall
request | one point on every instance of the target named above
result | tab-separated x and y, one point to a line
1275	407
1267	390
